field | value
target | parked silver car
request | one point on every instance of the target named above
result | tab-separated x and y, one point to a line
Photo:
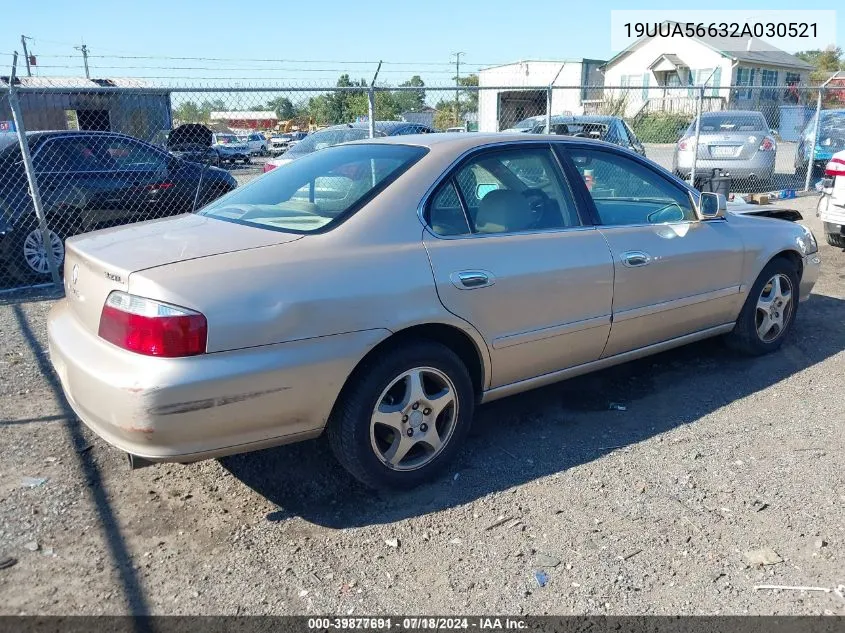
379	290
739	143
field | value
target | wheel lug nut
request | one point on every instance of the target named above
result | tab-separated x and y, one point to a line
423	427
415	406
426	411
410	432
404	418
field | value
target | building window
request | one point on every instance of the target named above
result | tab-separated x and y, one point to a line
769	78
745	77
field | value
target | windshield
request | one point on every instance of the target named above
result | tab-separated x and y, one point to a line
328	138
225	139
730	122
317	190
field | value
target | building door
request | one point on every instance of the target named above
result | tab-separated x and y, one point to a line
94	120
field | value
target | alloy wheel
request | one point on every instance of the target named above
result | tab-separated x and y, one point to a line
414	418
35	255
774	308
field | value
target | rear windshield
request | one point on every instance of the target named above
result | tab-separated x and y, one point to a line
730	122
317	190
328	138
227	138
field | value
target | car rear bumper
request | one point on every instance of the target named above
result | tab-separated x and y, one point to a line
761	166
186	409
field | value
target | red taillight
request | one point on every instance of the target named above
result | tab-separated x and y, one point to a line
836	167
269	167
151	328
767	145
684	144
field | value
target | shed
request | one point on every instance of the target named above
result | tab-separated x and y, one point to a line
68	103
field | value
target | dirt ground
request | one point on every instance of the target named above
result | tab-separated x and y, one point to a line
660	508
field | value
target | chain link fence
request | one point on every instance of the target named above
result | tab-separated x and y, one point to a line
79	158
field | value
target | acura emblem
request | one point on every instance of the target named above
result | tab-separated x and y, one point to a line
74	275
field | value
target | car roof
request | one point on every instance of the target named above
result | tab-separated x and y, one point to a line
388	127
583	118
464	141
731	112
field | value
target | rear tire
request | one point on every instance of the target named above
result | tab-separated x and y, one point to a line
769	310
835	239
374	421
25	264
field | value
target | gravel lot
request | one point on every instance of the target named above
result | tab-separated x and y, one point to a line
650	509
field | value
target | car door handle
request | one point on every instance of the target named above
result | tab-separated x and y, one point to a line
472	279
633	259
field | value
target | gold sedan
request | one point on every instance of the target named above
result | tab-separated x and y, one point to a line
379	290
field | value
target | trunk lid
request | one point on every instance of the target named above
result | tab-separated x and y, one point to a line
98	263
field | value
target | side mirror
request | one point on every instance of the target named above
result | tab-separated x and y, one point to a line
712	205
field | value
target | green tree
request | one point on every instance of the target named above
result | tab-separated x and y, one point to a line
410	100
470	97
188	112
825	61
283	107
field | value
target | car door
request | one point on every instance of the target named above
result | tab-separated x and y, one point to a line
674	274
75	181
511	255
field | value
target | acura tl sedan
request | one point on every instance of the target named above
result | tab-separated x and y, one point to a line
378	291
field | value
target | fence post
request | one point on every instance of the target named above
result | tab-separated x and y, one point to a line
30	175
371	110
812	157
699	98
549	109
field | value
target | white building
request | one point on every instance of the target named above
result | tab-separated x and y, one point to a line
659	72
507	104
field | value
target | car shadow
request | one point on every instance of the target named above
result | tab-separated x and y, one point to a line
548	430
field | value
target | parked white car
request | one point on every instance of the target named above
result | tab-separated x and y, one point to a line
832	204
257	144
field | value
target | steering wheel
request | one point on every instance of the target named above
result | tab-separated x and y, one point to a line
538	202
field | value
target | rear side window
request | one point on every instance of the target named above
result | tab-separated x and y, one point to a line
508	191
318	190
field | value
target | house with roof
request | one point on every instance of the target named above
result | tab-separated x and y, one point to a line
137	108
657	74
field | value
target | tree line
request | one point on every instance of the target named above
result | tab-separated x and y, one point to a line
345	106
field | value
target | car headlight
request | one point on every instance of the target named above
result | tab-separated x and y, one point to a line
807	242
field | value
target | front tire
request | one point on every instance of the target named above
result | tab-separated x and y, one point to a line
403	416
769	311
835	239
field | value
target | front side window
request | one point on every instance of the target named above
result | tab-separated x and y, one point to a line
507	191
317	190
626	192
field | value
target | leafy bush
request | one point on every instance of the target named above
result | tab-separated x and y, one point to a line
660	127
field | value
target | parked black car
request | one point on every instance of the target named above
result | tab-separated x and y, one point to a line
194	142
89	180
612	129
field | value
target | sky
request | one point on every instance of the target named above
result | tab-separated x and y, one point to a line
334	36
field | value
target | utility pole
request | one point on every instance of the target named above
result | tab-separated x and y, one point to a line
84	50
24	38
457	84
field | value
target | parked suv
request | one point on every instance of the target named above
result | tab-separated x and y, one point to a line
89	180
256	144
